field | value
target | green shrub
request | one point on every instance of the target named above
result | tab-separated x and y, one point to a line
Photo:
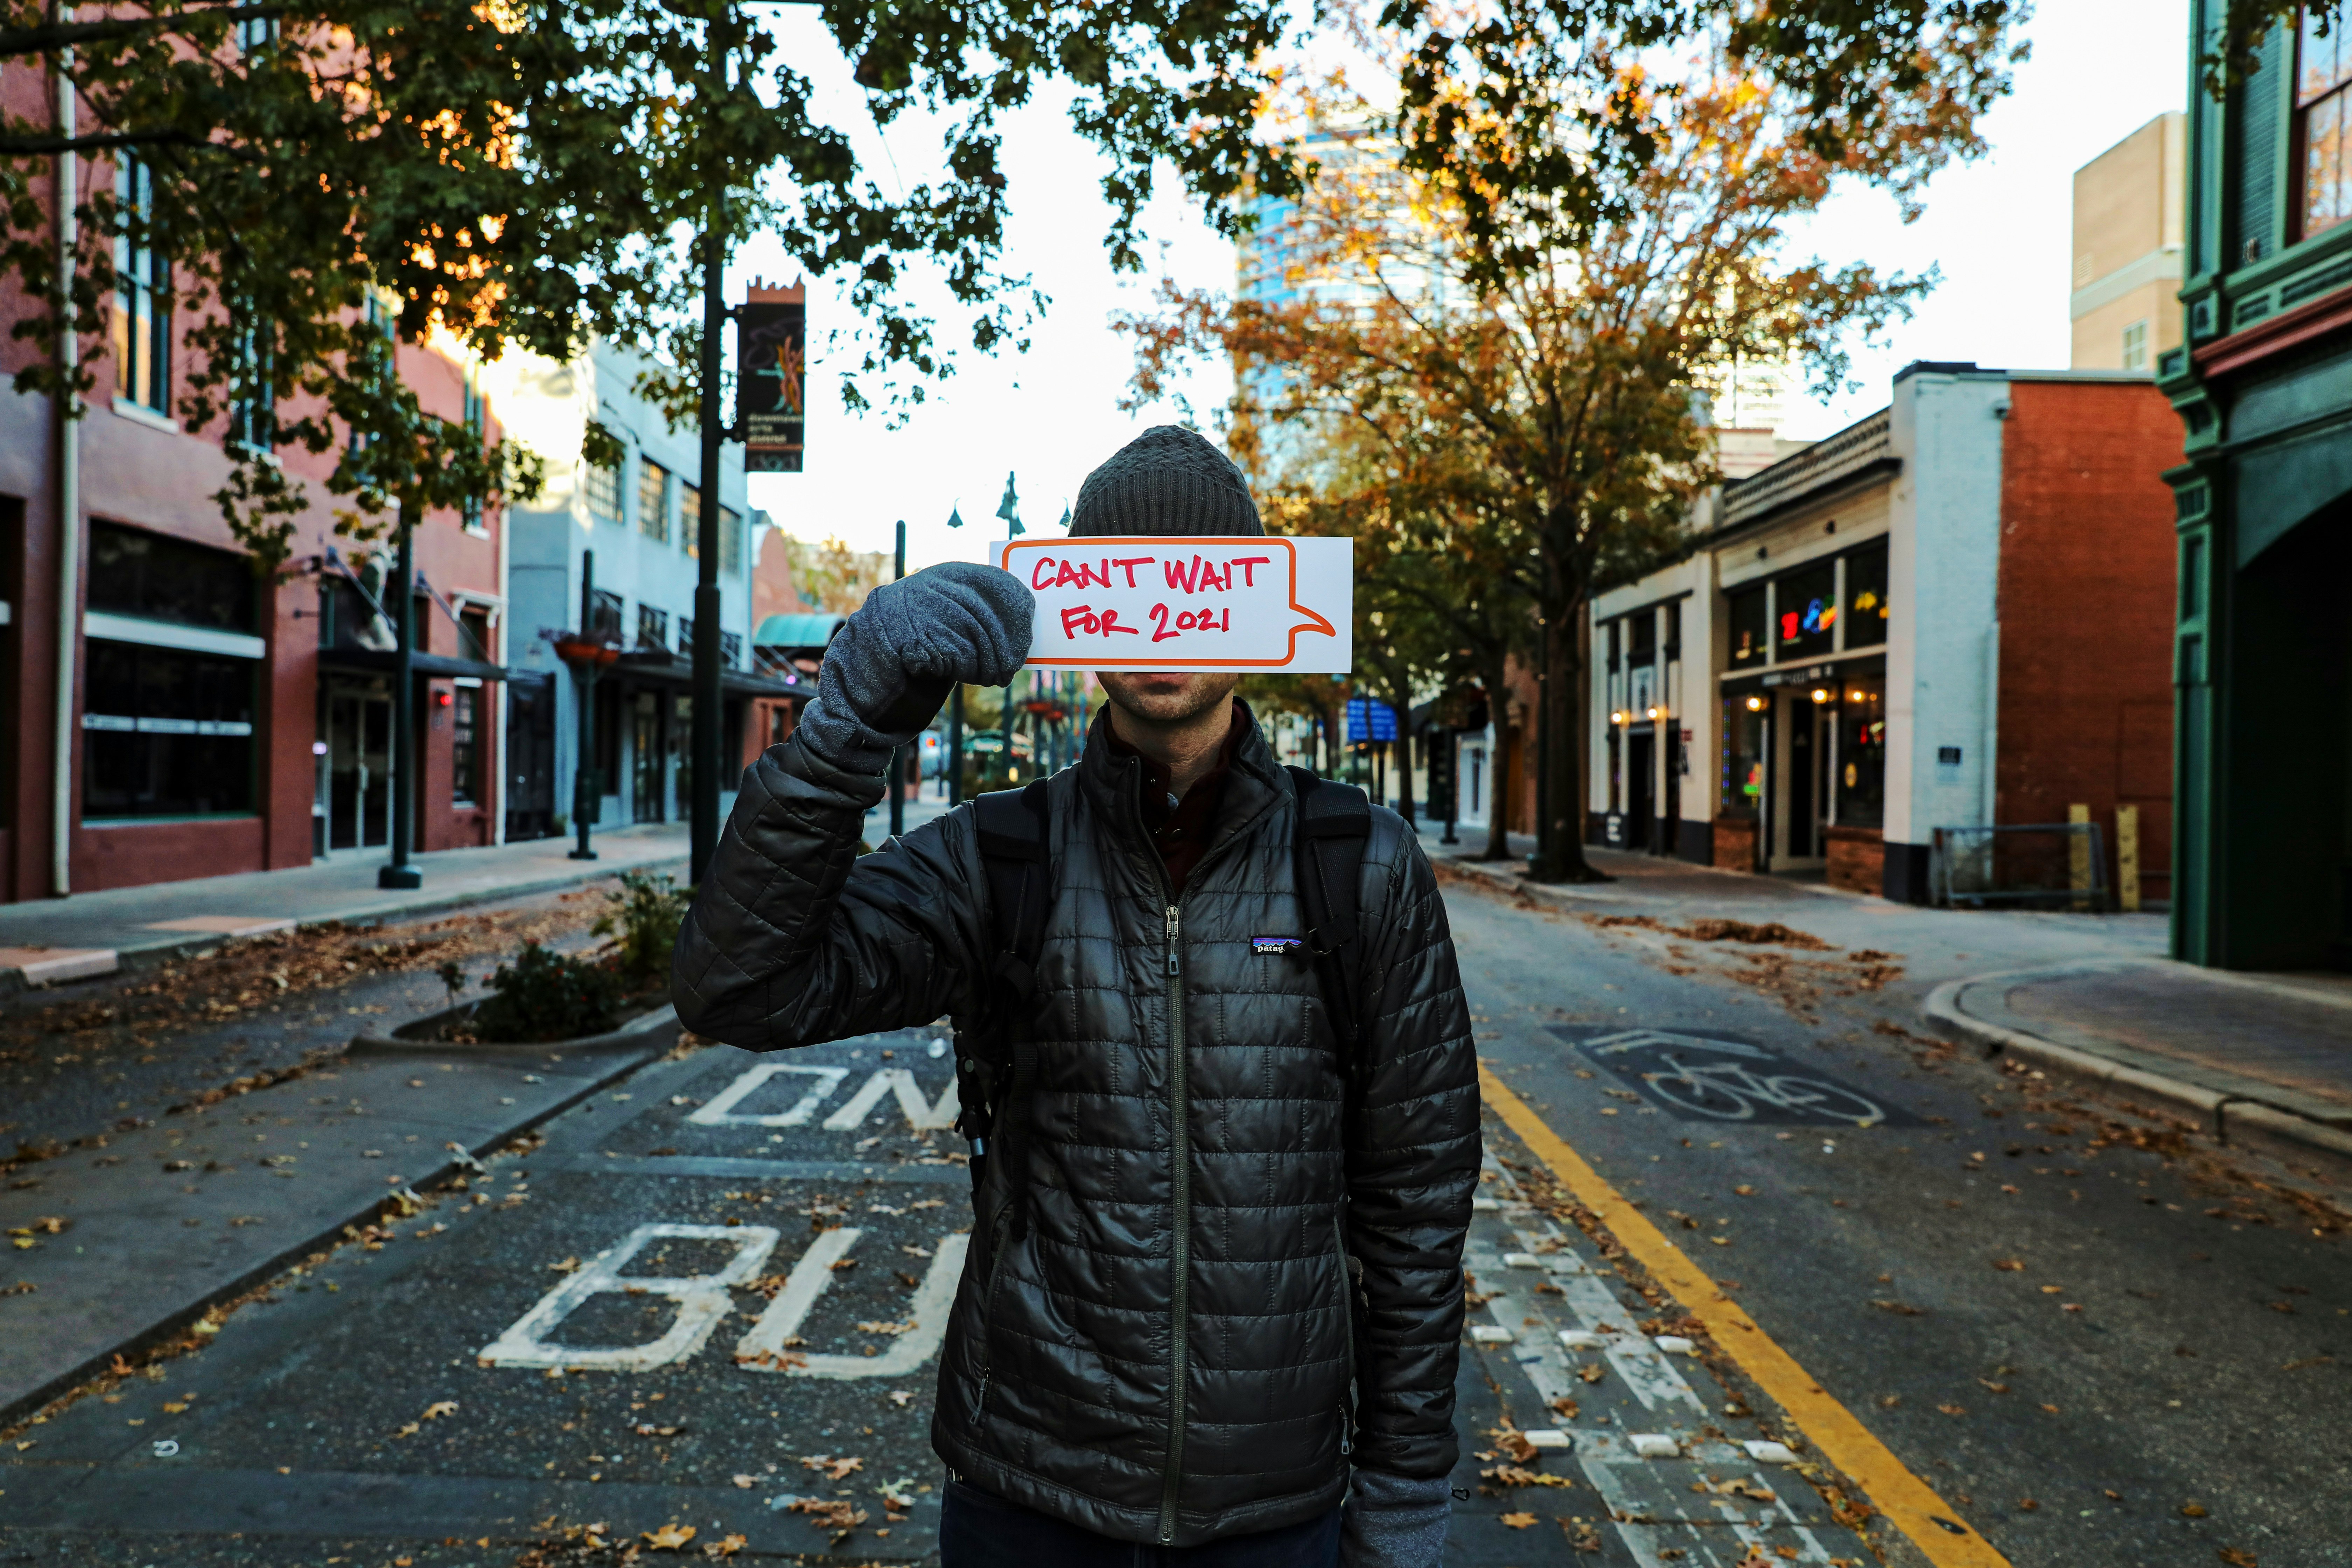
544	995
645	916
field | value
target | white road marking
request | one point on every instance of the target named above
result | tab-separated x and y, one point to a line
920	1116
763	1349
720	1112
701	1301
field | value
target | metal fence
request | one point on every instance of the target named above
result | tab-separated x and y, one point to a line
2060	864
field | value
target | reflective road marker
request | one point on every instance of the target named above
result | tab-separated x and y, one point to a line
1932	1525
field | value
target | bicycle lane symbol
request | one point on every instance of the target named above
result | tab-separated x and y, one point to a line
1709	1078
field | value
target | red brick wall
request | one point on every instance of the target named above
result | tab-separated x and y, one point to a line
1857	859
2086	611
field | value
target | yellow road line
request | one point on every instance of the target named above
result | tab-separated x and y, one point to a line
1933	1525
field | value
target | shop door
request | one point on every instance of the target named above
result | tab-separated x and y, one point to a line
359	767
1802	800
530	756
1640	789
648	759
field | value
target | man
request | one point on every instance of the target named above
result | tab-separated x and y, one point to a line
1217	1252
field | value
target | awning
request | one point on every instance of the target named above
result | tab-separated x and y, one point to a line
431	666
811	632
658	667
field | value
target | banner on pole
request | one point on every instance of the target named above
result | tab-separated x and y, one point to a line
771	357
1184	601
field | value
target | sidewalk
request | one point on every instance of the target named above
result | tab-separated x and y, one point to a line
2268	1055
47	940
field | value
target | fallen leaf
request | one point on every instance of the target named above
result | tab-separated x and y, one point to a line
834	1468
901	1398
746	1482
2192	1510
2027	1505
1591	1373
1745	1190
440	1408
2238	1559
1900	1309
1953	1409
2009	1264
887	1329
408	1431
669	1537
1518	1520
725	1546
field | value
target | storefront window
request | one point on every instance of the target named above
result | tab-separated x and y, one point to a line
1865	590
1861	759
166	732
1806	607
158	578
1743	756
1748	645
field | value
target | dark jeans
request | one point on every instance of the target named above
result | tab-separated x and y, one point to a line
980	1530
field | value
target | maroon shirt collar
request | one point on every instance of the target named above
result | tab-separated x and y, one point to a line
1179	829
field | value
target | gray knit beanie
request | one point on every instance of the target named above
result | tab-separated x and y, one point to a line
1167	480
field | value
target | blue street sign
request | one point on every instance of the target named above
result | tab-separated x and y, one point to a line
1369	721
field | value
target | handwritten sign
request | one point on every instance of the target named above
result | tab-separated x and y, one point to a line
1151	602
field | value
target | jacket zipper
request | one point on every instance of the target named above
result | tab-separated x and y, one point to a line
988	1308
1181	1247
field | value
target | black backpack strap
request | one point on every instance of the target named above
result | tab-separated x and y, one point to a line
1013	847
1016	856
1335	822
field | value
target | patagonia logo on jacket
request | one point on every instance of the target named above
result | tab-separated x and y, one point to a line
1274	944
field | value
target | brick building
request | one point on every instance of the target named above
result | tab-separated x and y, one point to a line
1951	615
214	721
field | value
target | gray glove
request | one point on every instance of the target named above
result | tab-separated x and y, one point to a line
894	663
1393	1521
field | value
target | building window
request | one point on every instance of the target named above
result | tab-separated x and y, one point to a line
2135	346
731	649
730	543
689	518
167	722
2322	99
158	578
603	615
604	492
477	420
652	500
253	412
465	745
1861	758
142	309
473	634
1805	608
1749	646
1865	591
653	627
166	732
686	636
1743	755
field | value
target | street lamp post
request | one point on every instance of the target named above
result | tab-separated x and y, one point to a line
899	753
400	873
707	730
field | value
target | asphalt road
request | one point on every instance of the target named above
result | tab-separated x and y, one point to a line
2162	1384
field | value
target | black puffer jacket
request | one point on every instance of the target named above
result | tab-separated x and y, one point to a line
1161	1349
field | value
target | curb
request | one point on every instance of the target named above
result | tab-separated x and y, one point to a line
649	1039
2220	1113
15	980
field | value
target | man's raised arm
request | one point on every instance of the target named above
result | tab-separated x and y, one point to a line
792	939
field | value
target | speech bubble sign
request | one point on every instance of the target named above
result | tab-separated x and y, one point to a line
1220	603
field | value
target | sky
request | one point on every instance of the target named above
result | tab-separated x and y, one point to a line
1997	230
